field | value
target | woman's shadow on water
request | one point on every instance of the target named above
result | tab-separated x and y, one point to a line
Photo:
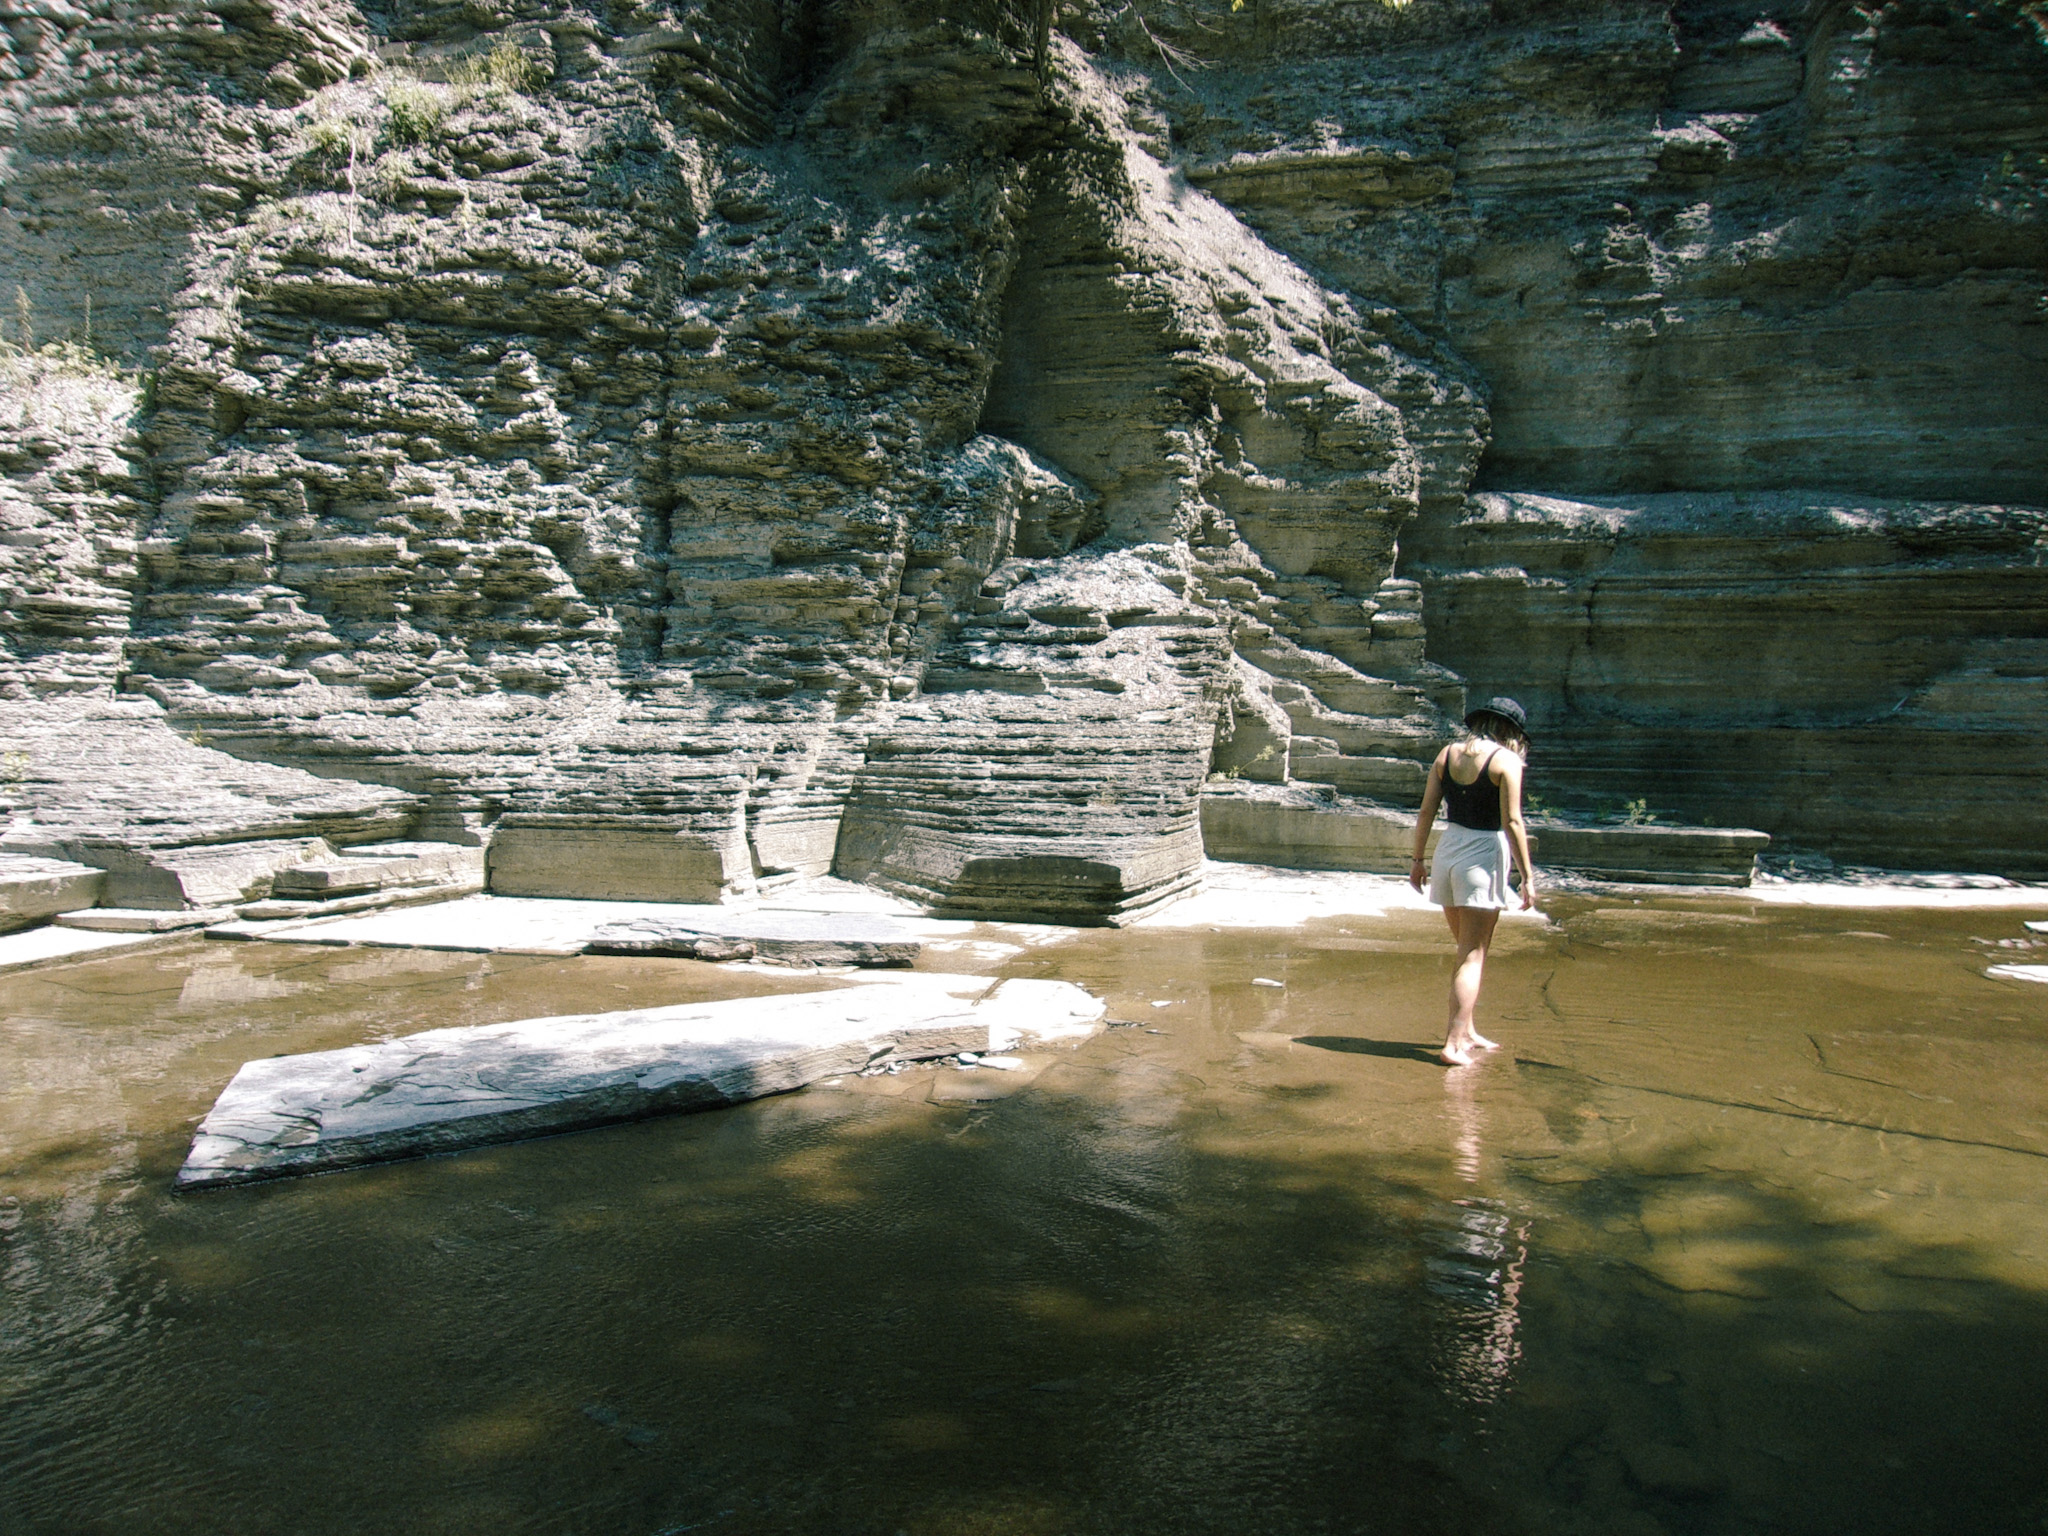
1354	1045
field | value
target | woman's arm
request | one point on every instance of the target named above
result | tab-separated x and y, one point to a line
1432	796
1512	823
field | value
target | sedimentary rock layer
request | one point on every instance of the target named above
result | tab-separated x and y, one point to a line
33	890
1708	245
1866	676
723	442
1761	281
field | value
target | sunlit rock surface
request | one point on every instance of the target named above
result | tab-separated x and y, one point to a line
452	1088
33	889
697	445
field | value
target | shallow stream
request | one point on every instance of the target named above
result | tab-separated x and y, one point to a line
1743	1231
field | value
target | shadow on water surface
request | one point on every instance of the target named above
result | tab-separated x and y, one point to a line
1392	1050
1148	1295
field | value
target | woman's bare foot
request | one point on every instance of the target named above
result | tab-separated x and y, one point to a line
1451	1058
1481	1043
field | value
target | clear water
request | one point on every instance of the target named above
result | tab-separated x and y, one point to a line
1744	1231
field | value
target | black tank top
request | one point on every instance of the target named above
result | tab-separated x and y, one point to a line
1475	805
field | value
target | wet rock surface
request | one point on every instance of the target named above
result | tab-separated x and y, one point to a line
144	919
453	1088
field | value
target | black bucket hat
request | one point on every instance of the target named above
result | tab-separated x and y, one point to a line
1506	709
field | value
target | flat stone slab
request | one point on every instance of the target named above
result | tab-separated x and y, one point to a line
280	910
1298	828
451	1088
541	925
486	924
1652	854
380	867
792	938
142	919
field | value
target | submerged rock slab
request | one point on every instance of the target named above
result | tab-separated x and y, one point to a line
451	1088
2020	972
792	938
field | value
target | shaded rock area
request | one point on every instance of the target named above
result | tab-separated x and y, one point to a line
1311	827
1698	246
1755	295
1888	706
1655	855
451	1088
676	451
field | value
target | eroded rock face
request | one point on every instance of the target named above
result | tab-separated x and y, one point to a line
739	441
709	442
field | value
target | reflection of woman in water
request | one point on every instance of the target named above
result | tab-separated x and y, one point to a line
1478	781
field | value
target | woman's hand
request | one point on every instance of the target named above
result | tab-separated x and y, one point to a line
1528	893
1415	874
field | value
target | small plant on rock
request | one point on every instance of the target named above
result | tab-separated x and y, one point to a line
389	177
416	110
1636	813
26	365
1265	755
329	136
505	68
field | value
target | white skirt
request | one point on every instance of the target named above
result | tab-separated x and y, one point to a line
1470	869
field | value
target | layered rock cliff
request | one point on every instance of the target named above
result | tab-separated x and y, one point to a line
691	444
1756	295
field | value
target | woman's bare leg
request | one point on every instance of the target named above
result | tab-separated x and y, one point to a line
1472	927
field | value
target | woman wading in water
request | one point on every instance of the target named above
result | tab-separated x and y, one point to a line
1478	781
